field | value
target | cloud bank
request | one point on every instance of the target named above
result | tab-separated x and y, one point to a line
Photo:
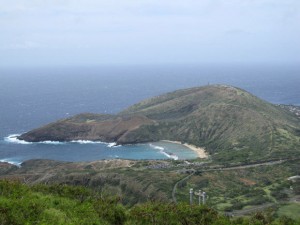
58	32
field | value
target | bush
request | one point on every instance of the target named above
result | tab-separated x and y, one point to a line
279	195
56	204
110	210
161	213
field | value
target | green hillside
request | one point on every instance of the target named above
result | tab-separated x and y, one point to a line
230	123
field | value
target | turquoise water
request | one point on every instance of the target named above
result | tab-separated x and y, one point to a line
18	151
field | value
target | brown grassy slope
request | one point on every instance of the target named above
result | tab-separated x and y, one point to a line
88	127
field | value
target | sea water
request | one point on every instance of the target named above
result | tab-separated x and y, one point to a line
17	151
32	97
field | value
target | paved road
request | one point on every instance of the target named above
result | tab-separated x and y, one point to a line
224	169
178	182
245	166
251	210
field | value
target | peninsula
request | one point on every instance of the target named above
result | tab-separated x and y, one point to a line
228	122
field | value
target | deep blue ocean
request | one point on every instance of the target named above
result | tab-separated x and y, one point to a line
33	97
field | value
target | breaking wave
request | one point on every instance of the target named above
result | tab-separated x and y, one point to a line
157	147
51	142
13	139
162	151
169	155
113	145
11	161
87	142
110	145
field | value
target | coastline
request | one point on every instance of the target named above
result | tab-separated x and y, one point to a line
200	151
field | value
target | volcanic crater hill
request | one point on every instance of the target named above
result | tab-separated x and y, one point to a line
230	123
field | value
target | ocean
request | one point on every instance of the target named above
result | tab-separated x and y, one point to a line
32	97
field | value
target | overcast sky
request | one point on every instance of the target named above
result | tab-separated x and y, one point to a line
95	32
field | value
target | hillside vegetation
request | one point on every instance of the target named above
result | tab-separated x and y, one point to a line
56	204
235	189
230	123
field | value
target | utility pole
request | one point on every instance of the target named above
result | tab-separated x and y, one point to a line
199	196
204	197
191	196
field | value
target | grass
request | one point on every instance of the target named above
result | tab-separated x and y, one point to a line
223	206
227	190
268	193
291	210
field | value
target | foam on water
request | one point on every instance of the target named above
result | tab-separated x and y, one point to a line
87	142
156	147
51	142
171	156
13	139
117	146
110	145
162	151
113	144
11	161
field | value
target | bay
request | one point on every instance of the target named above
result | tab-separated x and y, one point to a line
32	97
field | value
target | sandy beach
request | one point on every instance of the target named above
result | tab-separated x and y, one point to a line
200	151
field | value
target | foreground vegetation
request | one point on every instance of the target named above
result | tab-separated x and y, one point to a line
63	204
232	189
